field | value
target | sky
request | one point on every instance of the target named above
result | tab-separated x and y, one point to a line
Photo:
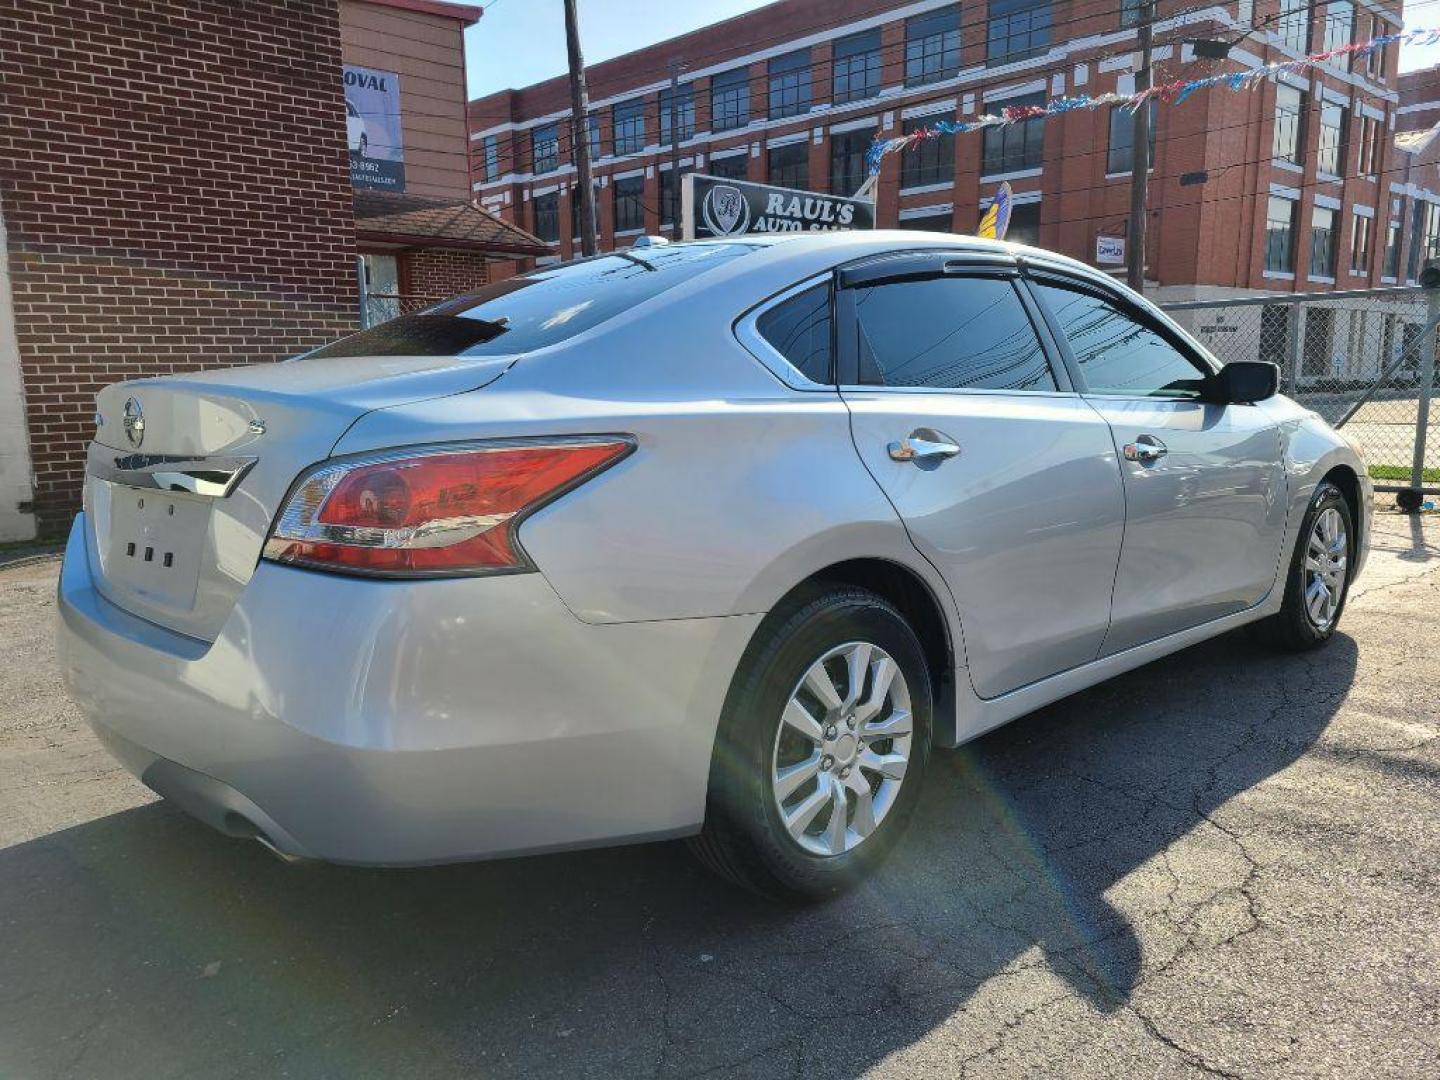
519	42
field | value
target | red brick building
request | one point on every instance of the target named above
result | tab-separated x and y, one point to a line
1415	183
1293	175
176	193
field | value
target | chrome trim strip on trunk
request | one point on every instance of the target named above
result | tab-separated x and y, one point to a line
213	477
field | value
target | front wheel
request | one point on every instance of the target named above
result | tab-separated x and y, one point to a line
1319	578
820	754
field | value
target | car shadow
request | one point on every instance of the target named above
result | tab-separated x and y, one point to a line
142	944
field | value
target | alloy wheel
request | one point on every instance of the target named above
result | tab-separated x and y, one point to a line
842	748
1326	563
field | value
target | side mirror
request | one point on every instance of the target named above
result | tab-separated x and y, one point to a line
1244	382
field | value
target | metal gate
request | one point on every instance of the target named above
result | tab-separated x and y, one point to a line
1356	358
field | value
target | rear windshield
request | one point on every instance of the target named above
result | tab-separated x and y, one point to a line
537	309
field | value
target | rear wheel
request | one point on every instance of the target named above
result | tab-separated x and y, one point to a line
1319	578
819	757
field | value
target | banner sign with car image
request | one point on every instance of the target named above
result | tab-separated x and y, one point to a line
712	206
372	128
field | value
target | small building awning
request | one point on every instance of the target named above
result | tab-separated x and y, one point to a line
424	221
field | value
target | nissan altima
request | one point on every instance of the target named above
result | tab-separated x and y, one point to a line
713	540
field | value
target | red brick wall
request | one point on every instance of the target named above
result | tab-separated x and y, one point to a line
439	274
176	189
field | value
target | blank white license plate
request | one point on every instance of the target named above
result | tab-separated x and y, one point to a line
156	541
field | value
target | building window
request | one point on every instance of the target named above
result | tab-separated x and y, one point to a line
629	203
592	130
730	167
790	165
790	84
1372	145
1289	123
1360	244
1417	222
547	216
1294	25
1375	62
856	67
670	195
1015	146
1430	238
1280	235
1120	156
942	222
490	151
1322	242
1130	12
847	160
545	145
1017	30
1316	343
628	118
730	100
930	161
1330	158
1393	232
684	112
1339	30
932	46
575	211
1024	224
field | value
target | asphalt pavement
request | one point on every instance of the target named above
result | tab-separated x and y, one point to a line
1226	863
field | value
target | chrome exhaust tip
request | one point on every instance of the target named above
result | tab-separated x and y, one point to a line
284	856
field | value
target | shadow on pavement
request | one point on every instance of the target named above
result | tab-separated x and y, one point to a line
142	944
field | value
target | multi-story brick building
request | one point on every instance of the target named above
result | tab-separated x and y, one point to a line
1414	185
176	193
1281	187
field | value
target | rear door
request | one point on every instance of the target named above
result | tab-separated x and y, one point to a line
1005	478
1204	482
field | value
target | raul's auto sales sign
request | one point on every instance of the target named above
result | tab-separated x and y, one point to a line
711	206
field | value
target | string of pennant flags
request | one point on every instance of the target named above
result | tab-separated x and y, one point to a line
1172	93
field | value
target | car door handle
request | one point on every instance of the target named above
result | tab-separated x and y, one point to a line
1144	449
924	446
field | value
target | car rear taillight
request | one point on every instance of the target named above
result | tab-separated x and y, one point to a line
433	511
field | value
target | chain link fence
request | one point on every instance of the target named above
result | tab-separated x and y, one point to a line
1353	357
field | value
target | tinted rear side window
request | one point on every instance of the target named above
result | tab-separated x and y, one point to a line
951	333
540	308
799	330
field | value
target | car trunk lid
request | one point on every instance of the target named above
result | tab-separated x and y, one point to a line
187	472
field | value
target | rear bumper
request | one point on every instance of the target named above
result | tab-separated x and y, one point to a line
403	723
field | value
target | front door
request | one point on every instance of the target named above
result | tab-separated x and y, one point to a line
1006	480
1204	482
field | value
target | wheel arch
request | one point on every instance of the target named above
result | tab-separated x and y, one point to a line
1345	478
917	600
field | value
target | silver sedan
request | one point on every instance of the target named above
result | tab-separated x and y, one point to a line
713	540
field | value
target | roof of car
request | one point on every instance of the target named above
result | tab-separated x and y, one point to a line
864	241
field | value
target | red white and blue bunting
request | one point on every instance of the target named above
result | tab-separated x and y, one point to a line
1173	93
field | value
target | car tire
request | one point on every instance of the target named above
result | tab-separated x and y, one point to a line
764	746
1296	626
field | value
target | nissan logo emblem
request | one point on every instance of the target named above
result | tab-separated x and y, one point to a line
133	421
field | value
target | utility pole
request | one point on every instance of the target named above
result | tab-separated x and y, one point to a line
1140	157
580	129
676	67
